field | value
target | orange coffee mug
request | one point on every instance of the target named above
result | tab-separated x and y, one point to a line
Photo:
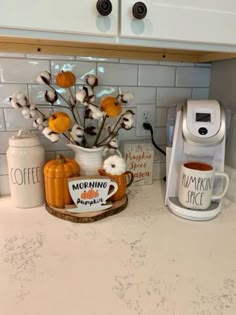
123	181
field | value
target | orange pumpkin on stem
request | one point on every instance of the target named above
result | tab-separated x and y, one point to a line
65	79
111	106
59	122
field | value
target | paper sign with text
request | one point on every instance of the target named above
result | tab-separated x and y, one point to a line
139	160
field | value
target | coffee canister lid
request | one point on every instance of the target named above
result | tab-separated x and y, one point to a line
24	138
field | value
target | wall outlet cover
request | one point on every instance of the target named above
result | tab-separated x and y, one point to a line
145	113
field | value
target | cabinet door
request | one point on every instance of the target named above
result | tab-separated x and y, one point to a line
70	16
203	21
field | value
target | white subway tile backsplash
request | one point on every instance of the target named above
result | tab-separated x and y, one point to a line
97	59
193	76
49	155
67	154
160	135
117	74
2	121
152	82
174	63
21	70
169	97
3	164
102	91
161	116
200	93
140	61
7	90
80	69
203	64
159	170
143	95
37	92
156	75
50	57
15	120
4	136
4	185
12	55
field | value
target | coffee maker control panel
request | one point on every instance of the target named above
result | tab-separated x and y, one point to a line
203	122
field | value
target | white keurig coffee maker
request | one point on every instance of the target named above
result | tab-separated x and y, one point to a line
199	135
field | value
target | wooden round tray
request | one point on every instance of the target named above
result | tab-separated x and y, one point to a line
87	217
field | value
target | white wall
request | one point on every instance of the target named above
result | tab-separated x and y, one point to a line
223	88
161	83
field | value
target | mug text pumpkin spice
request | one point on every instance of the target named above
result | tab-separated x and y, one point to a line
196	185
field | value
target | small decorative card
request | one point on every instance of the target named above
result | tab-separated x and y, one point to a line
91	193
139	157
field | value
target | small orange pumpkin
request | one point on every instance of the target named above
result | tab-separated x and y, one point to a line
56	174
90	194
65	79
111	106
59	122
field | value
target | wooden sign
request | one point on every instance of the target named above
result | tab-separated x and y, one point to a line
139	160
91	193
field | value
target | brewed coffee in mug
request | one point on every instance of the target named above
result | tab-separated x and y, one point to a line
196	185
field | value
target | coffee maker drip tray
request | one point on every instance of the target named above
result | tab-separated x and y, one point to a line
193	214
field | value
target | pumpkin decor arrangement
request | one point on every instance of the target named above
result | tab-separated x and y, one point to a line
81	119
56	175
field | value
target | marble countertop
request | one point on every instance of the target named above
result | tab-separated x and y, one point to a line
143	261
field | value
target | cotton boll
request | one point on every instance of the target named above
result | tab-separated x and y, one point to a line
14	103
77	134
96	113
51	135
25	111
21	98
18	100
33	113
91	80
44	78
40	123
80	96
127	121
127	97
51	96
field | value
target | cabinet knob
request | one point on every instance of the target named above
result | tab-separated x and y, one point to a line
139	10
104	7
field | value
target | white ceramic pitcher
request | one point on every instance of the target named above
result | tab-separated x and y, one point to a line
90	160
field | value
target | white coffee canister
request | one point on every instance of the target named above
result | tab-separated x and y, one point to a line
25	159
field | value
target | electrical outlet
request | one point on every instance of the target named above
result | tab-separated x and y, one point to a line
144	113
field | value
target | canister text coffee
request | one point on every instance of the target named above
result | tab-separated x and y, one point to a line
25	159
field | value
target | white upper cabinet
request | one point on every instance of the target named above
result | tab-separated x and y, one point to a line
71	16
201	21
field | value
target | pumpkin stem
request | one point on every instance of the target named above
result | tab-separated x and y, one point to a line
60	158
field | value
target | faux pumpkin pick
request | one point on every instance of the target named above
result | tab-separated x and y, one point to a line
59	122
56	174
65	79
111	106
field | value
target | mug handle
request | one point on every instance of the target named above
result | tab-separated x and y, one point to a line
221	195
130	177
115	187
